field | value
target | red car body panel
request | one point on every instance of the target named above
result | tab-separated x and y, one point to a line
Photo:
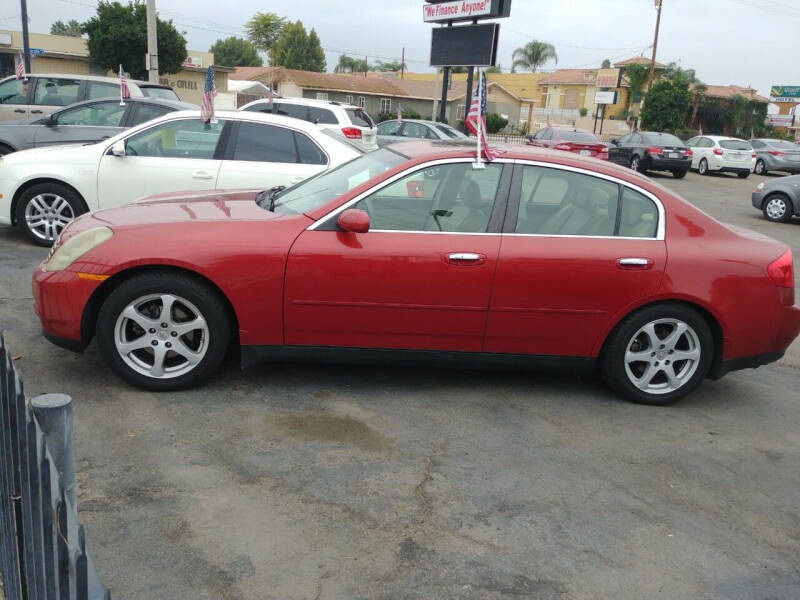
543	295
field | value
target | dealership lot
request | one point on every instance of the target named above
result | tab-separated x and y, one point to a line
359	482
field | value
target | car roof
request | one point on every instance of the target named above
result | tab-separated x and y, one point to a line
239	115
138	82
137	100
309	102
723	137
773	140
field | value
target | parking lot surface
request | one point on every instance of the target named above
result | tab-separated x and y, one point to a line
320	482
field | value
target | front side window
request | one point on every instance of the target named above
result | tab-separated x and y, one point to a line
54	91
449	198
14	91
186	138
561	202
389	127
100	114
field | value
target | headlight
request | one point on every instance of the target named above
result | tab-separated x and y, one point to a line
760	186
76	247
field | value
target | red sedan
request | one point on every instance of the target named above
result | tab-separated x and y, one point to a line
569	139
410	254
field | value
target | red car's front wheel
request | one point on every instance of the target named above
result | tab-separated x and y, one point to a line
163	331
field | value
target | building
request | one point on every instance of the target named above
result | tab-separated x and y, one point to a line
70	56
710	110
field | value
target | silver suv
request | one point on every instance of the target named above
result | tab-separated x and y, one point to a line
353	122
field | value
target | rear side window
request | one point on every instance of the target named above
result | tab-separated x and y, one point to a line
783	145
162	93
450	132
292	110
308	152
735	145
54	91
101	89
639	215
268	143
359	117
14	91
99	114
579	136
264	107
757	144
148	112
321	115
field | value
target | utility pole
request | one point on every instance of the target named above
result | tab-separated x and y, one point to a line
26	45
403	63
152	44
655	46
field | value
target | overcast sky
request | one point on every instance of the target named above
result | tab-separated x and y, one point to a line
744	42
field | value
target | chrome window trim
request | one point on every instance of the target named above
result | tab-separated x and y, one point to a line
660	230
394	178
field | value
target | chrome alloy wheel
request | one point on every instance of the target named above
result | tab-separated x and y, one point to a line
662	356
776	208
161	336
47	214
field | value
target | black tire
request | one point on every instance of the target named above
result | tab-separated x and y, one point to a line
761	168
702	168
679	174
636	164
743	175
204	299
71	205
777	208
612	361
5	149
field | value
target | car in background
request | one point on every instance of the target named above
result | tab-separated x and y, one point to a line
41	94
540	259
351	121
83	122
574	140
778	199
43	189
651	151
722	154
776	155
396	130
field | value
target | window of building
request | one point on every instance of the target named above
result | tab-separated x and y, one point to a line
461	112
322	95
362	101
348	99
386	105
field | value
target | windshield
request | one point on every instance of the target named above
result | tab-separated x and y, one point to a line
663	139
578	136
163	93
359	117
318	191
450	132
735	145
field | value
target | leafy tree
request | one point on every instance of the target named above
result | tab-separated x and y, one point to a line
235	52
72	28
296	49
263	30
392	66
533	55
495	122
459	70
498	68
637	78
118	35
606	64
666	106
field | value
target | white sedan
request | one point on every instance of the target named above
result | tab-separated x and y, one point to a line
722	154
43	189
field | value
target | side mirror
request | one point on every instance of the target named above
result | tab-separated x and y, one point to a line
50	121
118	149
615	142
354	221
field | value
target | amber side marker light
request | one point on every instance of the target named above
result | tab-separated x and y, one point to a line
92	277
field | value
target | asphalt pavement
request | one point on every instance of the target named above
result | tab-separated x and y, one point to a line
319	482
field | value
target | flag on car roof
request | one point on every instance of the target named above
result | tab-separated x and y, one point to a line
20	66
476	120
209	91
124	90
399	115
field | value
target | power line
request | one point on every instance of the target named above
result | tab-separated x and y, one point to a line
530	37
775	11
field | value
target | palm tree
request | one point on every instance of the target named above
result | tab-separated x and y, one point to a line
345	64
533	55
699	90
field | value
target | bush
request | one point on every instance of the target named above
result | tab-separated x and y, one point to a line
583	111
666	106
495	122
407	114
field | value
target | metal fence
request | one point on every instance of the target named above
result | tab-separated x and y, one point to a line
505	139
42	547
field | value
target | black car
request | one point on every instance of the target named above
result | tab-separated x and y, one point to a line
648	151
83	122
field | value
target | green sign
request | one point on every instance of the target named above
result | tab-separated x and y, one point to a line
785	93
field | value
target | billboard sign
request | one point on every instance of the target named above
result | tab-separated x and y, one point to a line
784	93
780	120
605	97
466	46
608	78
464	10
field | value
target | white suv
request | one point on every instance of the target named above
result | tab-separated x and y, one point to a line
353	122
722	154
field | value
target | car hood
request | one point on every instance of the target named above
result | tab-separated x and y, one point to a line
188	207
62	154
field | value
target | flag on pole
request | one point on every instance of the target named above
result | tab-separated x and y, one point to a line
124	90
548	120
271	94
20	66
399	115
209	91
476	120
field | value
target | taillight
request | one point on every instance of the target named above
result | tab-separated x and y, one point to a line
753	155
718	151
777	153
688	152
563	146
781	271
654	150
351	133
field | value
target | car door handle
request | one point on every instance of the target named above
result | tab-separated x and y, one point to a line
202	175
466	258
635	263
19	110
36	112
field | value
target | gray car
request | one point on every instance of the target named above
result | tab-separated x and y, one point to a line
775	155
778	199
395	131
83	122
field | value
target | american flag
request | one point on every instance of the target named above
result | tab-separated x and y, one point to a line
477	110
124	90
399	115
209	91
20	67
